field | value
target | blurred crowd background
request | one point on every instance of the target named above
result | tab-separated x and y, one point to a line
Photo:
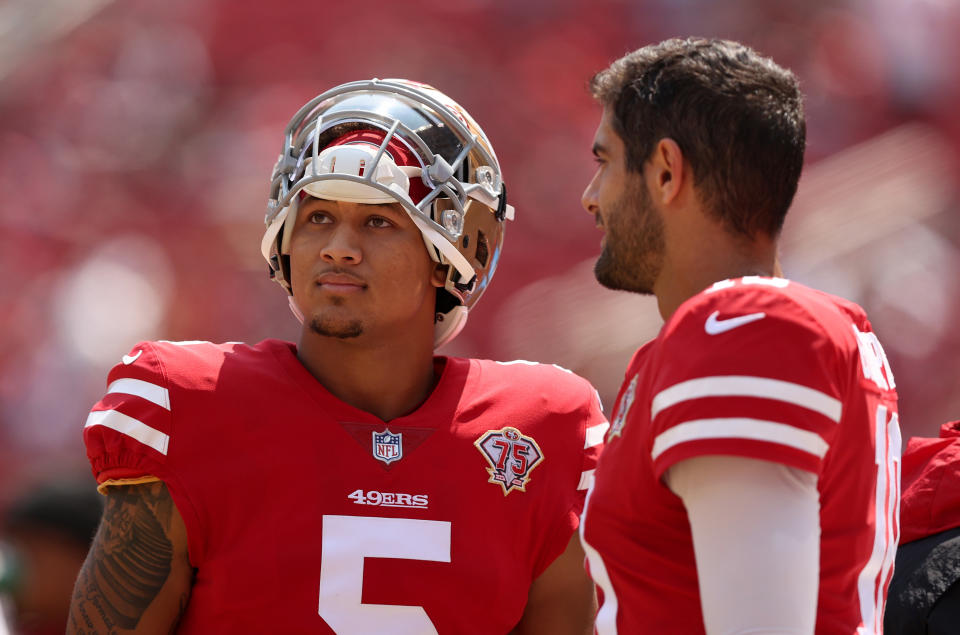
137	139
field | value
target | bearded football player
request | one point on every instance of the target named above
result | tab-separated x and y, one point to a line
353	482
750	478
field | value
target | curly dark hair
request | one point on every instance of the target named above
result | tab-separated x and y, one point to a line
737	117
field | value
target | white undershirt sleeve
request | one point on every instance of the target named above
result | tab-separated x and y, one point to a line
756	537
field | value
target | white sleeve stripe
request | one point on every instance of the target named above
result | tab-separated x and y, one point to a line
151	392
586	478
606	619
740	428
595	434
131	427
745	386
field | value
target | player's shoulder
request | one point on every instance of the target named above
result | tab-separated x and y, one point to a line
189	364
525	383
773	304
551	377
549	404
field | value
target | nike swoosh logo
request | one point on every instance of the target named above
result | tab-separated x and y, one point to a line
715	326
129	359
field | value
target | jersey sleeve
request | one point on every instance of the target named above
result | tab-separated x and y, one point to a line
594	433
746	372
589	431
127	433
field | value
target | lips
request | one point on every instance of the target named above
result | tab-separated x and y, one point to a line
333	281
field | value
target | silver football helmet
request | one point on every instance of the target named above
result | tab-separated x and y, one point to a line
393	140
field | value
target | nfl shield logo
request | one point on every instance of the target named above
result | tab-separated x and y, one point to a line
387	447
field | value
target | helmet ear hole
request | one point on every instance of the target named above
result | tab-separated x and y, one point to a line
483	249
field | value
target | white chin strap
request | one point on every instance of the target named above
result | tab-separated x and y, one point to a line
451	325
297	313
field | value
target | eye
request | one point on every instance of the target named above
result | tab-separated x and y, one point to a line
318	218
379	222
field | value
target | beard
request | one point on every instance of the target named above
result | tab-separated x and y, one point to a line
632	256
340	329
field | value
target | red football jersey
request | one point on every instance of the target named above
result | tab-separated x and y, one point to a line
931	484
306	515
762	368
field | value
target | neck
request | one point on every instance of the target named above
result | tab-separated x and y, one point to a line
388	379
704	257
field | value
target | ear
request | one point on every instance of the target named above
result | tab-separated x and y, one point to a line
439	276
667	170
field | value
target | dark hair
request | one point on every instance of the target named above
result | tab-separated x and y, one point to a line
737	117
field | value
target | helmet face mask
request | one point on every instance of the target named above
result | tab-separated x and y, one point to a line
428	155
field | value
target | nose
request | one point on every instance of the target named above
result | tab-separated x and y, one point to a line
589	197
343	246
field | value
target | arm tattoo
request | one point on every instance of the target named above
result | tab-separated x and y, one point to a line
131	559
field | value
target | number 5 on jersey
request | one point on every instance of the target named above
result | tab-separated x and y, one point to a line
346	541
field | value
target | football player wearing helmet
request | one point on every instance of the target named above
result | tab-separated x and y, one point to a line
353	482
750	478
